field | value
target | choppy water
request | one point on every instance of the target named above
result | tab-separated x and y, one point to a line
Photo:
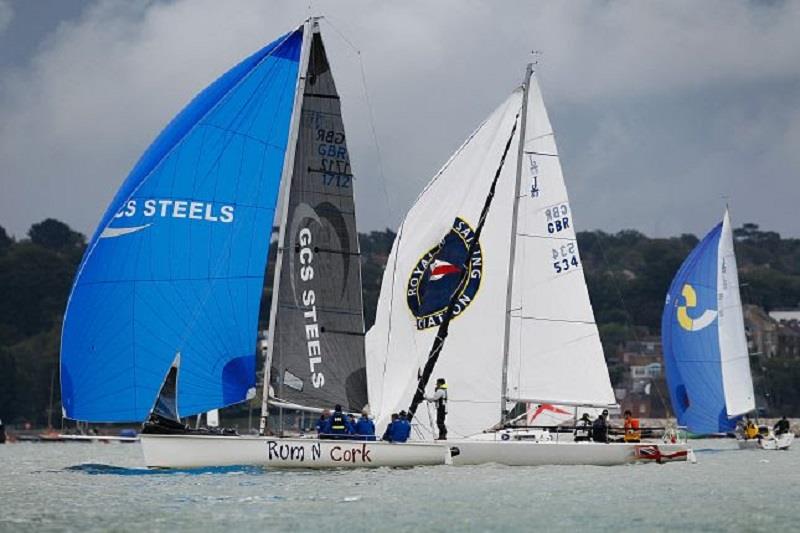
101	487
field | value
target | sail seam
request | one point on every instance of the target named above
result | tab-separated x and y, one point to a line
540	153
565	321
549	237
240	134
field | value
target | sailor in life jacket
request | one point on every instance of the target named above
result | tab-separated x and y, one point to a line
583	428
365	427
324	425
632	433
750	429
781	427
338	425
440	399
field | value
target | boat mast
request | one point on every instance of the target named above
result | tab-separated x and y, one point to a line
310	26
512	249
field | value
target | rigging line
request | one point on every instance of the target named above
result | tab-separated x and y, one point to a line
538	137
548	237
442	332
370	115
615	283
561	320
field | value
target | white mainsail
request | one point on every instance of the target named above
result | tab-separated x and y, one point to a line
737	381
398	344
554	355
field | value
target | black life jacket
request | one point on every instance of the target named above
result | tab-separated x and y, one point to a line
338	422
441	403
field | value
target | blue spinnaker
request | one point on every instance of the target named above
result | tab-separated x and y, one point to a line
177	263
690	337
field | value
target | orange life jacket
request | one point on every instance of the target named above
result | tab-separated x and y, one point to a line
632	432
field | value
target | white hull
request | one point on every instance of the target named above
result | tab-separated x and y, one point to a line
198	451
96	438
781	442
531	453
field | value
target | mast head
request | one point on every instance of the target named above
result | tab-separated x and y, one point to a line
313	22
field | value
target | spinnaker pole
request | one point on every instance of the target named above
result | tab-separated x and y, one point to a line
512	249
310	26
441	334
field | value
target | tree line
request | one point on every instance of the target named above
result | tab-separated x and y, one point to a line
627	273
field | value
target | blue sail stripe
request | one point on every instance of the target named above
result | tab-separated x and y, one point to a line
177	262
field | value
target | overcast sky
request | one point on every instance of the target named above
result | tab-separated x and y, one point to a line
661	109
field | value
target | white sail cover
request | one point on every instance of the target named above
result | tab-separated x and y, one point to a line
737	380
417	286
555	354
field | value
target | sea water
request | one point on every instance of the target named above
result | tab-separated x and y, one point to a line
104	487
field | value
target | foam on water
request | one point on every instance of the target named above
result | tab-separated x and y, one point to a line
97	487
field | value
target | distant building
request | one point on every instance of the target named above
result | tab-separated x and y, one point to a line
762	332
649	399
788	339
641	352
785	315
646	372
643	390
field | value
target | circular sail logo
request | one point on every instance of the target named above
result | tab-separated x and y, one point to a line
443	272
693	324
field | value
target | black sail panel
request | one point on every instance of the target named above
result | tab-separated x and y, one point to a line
318	348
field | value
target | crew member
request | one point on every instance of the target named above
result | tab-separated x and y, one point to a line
365	428
324	425
2	433
600	428
750	429
583	428
440	399
401	428
632	433
351	425
338	423
387	435
780	428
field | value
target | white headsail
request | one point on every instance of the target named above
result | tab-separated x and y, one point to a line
737	381
555	354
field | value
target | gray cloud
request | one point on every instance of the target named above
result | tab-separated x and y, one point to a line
6	14
661	108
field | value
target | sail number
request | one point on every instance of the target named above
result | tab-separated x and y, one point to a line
565	257
335	172
334	160
557	218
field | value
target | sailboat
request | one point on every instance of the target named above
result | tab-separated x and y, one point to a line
485	285
161	323
705	346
